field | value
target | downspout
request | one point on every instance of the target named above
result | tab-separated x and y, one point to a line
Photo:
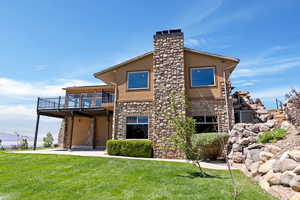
114	111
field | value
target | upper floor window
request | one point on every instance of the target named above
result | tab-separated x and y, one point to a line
202	76
137	80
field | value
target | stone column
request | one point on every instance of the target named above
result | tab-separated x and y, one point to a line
168	68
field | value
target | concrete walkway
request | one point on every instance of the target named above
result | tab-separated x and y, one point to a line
216	166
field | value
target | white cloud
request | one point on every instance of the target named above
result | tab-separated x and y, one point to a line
191	42
17	108
273	93
243	83
11	88
269	61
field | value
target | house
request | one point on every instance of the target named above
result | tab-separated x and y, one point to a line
135	102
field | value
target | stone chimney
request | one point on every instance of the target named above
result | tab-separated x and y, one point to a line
168	70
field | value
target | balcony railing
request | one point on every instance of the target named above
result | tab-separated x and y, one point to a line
86	101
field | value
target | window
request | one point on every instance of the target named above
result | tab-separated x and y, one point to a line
206	124
137	127
137	80
202	77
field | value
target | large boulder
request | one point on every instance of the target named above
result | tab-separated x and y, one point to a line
295	155
284	165
295	183
286	178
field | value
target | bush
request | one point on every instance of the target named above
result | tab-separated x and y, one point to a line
48	140
212	144
131	148
272	136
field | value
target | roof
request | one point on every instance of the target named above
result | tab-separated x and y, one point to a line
151	52
88	86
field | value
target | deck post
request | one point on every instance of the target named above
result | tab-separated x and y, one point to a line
72	128
36	131
94	132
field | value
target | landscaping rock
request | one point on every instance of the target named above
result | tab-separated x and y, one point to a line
272	178
255	146
271	123
264	184
295	183
254	155
263	127
264	156
286	178
254	168
238	157
244	141
272	148
288	165
297	170
248	163
276	166
295	197
266	167
295	155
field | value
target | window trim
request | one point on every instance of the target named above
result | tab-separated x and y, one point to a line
132	72
203	86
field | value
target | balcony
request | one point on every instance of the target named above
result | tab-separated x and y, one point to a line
87	104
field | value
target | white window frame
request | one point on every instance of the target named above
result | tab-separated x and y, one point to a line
191	76
136	73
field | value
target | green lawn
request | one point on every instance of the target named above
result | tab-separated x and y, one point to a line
25	176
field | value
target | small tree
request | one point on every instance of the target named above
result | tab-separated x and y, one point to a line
48	140
185	129
24	143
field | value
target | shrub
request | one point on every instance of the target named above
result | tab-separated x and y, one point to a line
131	148
272	136
48	140
212	144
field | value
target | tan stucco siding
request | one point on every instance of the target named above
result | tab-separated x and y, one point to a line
193	60
103	130
144	64
83	131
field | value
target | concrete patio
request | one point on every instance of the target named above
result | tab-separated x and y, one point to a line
99	153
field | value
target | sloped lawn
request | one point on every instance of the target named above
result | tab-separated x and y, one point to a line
40	177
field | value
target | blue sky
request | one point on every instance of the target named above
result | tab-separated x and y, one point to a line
47	45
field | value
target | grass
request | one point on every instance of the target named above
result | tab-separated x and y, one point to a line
42	177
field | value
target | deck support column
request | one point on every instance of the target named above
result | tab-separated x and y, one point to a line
94	132
36	131
72	128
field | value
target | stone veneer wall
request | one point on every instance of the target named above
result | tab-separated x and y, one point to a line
168	68
125	109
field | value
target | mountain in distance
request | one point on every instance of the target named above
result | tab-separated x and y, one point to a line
12	137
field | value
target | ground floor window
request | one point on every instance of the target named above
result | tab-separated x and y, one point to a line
206	124
137	127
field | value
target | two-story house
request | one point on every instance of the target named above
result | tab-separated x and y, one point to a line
135	103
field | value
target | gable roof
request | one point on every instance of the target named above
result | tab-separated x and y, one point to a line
151	52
